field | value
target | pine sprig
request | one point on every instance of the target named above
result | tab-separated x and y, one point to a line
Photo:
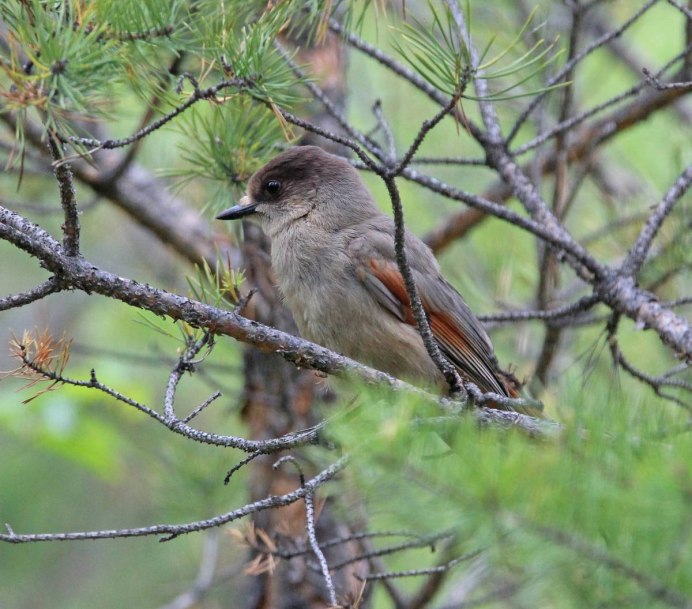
237	40
65	59
440	56
59	62
226	143
217	286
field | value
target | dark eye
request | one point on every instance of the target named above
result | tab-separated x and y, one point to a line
272	186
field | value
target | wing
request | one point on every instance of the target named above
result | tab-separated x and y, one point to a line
457	332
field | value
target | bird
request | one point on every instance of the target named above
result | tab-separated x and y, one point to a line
333	255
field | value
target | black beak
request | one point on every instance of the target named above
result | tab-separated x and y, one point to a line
237	211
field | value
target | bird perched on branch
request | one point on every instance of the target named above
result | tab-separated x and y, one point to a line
333	254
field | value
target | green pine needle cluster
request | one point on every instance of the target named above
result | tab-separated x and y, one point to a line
217	286
59	61
78	60
226	143
66	60
439	54
236	39
137	20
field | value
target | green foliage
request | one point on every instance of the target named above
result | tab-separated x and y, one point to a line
230	141
216	286
561	520
148	34
66	58
237	38
131	19
441	56
437	53
58	61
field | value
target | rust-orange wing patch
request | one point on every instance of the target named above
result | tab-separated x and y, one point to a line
386	284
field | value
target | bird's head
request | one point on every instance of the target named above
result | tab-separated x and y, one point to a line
304	184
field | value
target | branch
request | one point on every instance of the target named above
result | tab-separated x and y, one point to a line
660	86
310	528
172	531
142	196
425	128
328	104
639	250
620	293
197	95
552	233
386	129
63	174
571	310
185	364
430	570
442	363
655	382
419	542
80	274
335	137
50	286
584	143
389	63
623	295
569	66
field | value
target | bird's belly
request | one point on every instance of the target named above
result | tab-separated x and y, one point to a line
356	326
333	309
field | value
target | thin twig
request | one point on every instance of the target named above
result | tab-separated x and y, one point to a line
324	566
428	571
424	160
580	306
335	137
639	250
446	368
388	62
172	531
238	466
202	406
656	383
310	529
68	201
386	130
420	542
573	121
328	104
660	86
425	128
569	66
577	256
184	364
50	286
197	95
256	447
